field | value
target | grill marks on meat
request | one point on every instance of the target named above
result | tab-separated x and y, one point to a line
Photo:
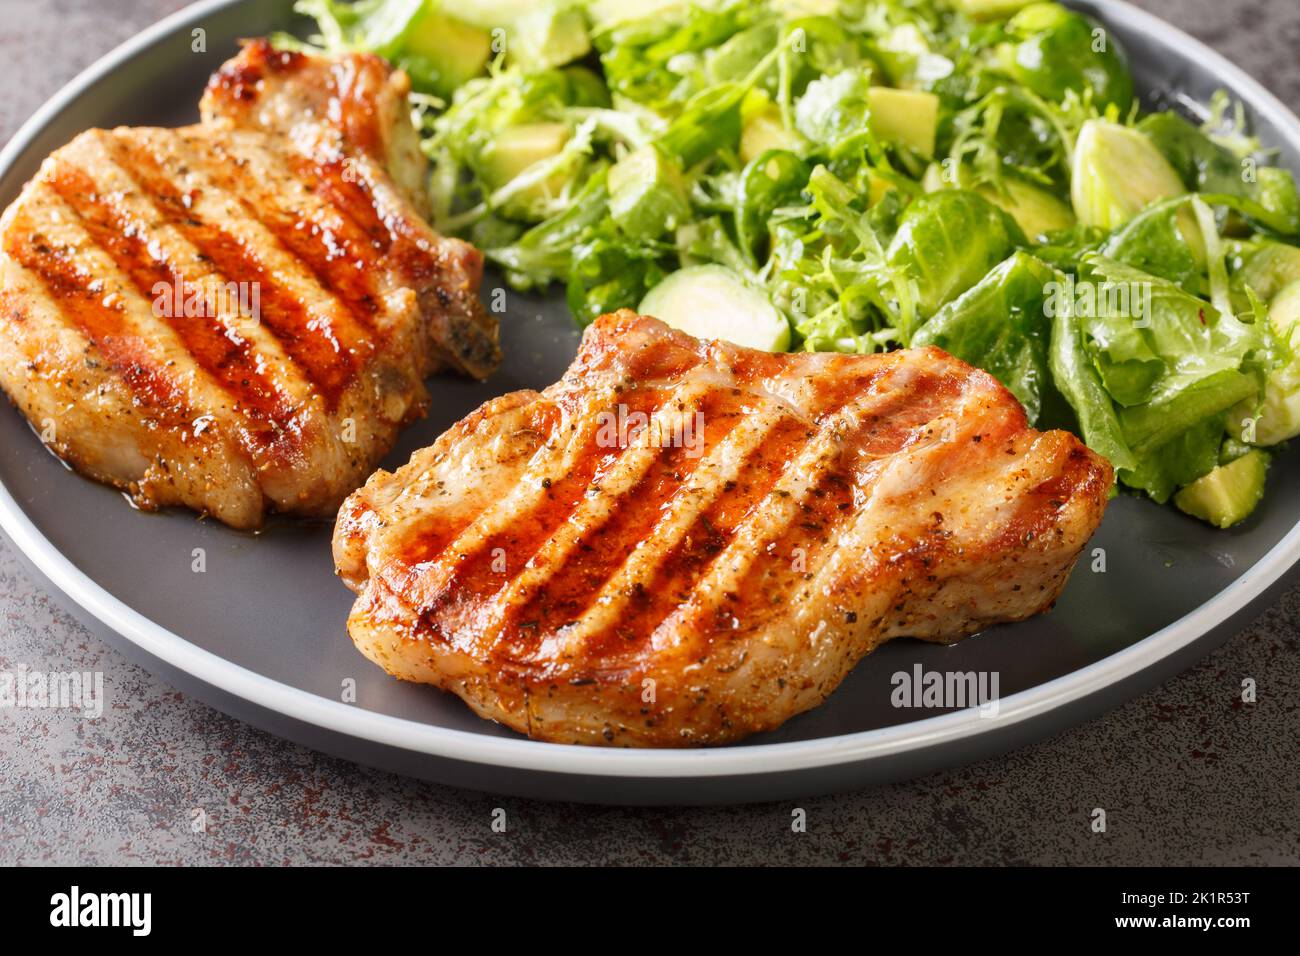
545	574
344	120
105	255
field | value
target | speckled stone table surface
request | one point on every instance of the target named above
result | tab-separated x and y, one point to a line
1186	773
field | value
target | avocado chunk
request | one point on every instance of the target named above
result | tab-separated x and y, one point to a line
647	193
1284	311
764	131
1229	493
445	52
908	117
515	149
518	147
549	37
877	186
1035	210
713	302
1116	173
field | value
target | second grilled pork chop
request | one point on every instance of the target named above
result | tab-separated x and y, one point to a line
585	574
237	316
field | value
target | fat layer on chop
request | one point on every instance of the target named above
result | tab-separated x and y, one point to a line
685	542
237	316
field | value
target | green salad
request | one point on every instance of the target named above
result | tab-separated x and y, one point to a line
864	175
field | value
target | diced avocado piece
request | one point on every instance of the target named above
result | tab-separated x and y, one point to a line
990	9
647	193
1284	310
1229	493
548	37
764	131
877	186
712	302
1035	210
1116	173
909	117
448	51
1279	414
516	148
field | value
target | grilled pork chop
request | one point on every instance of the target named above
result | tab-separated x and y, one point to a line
236	316
685	542
346	117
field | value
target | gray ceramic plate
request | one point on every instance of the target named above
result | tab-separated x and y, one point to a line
261	635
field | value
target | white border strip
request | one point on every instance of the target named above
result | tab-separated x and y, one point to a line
519	754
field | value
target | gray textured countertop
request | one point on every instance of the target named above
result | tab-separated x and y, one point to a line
1186	774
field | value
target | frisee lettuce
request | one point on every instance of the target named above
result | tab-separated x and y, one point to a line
760	113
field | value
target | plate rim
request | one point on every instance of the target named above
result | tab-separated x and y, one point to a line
717	762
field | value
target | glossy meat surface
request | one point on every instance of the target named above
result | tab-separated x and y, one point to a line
343	120
215	317
685	542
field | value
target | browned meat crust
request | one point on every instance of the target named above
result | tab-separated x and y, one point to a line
582	581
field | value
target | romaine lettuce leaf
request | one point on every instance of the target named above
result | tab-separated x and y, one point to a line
1150	340
1001	325
1076	377
1265	195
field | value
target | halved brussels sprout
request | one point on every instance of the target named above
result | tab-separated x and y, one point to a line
1270	268
1061	51
947	241
764	131
1116	173
1036	211
647	194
